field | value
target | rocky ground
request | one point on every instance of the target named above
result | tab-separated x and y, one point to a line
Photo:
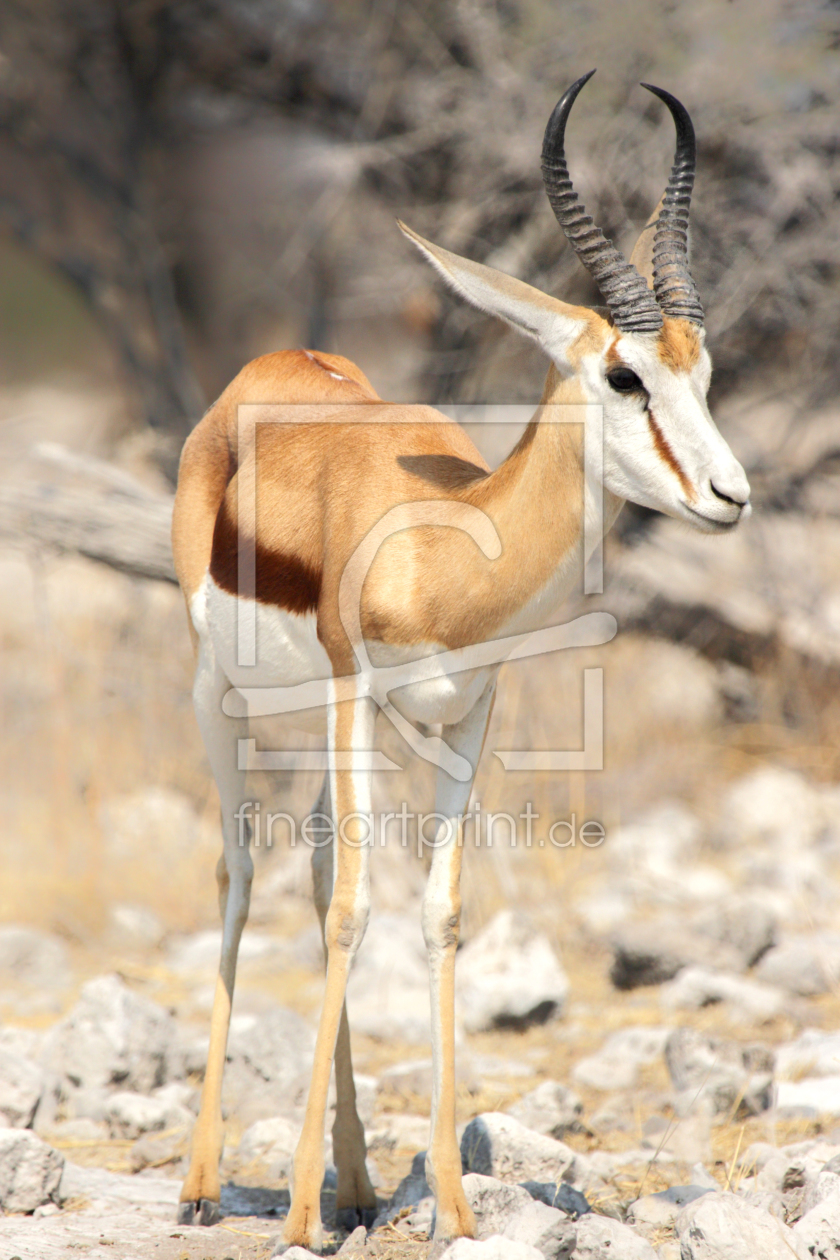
670	1086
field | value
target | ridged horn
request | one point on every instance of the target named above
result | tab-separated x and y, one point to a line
673	285
632	305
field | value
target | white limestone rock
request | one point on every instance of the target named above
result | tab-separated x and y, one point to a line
22	1084
32	958
818	1232
616	1065
602	1238
748	1000
717	1074
388	989
813	1053
30	1171
111	1037
804	965
509	976
495	1248
725	1227
269	1063
272	1142
130	1115
496	1145
551	1108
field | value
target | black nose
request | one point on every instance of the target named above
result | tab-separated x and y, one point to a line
727	498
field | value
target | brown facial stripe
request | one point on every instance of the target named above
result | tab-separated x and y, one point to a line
282	580
667	456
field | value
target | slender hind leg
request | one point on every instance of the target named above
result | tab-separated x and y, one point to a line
201	1190
355	1199
351	725
441	925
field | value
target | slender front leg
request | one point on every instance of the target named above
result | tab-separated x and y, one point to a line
201	1190
351	729
355	1197
441	925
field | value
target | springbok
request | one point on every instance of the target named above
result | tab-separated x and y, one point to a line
323	488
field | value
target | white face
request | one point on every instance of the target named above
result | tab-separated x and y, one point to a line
661	446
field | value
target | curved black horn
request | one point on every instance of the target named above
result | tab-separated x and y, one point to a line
675	290
633	306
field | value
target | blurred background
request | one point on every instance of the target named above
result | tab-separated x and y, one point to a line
185	185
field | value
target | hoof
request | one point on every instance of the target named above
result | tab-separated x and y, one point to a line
350	1218
204	1212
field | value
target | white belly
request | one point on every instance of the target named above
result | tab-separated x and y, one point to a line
288	652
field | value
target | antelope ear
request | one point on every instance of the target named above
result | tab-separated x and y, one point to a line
554	325
642	256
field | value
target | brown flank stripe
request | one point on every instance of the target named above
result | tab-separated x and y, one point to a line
282	580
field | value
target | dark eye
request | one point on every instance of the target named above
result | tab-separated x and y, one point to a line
623	381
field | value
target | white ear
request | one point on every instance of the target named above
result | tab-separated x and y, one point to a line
554	325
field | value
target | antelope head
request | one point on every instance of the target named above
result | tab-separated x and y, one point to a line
644	358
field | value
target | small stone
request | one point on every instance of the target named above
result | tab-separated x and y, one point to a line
510	1211
81	1130
271	1141
388	988
651	953
354	1244
131	1115
773	806
32	958
814	1096
111	1037
269	1064
748	1000
494	1202
747	924
562	1196
719	1074
818	1232
155	1151
496	1145
602	1238
413	1188
805	965
399	1132
509	976
724	1227
30	1171
413	1077
135	927
551	1108
659	1211
689	1139
495	1248
21	1086
616	1065
813	1053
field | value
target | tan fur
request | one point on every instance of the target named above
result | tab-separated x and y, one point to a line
308	478
679	344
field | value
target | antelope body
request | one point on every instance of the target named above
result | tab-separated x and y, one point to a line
466	556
